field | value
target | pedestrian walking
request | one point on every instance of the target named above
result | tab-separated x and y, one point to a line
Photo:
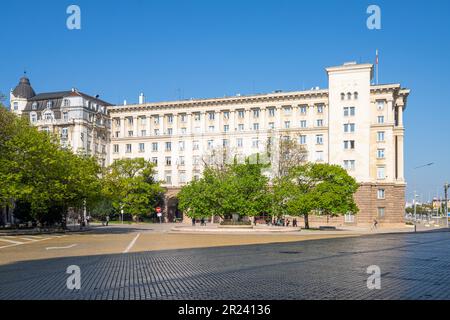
287	222
375	224
107	219
294	223
193	222
202	222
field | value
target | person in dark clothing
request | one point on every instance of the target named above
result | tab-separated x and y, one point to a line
294	223
202	222
193	222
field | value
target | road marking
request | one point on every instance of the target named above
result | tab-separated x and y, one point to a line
11	241
56	248
28	239
131	243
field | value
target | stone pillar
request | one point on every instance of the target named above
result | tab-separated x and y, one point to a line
400	158
135	126
161	124
175	124
400	115
122	127
279	113
203	122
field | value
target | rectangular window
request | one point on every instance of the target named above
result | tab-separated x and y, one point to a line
156	119
211	115
302	139
156	132
117	134
256	126
349	165
239	142
130	133
183	130
255	143
225	143
381	212
66	116
197	116
116	148
128	148
255	113
381	173
168	177
319	156
380	153
381	194
154	146
183	118
303	124
170	118
320	108
303	110
287	111
196	160
182	177
211	128
226	115
181	145
143	121
271	125
181	161
168	146
195	145
271	112
380	119
380	105
319	139
380	136
168	161
241	114
240	127
141	147
210	144
349	127
349	111
143	133
287	124
320	123
349	144
169	131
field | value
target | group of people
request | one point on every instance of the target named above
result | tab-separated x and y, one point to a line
285	222
202	222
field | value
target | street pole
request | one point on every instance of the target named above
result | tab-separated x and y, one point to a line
446	202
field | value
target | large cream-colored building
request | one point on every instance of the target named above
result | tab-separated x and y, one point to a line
353	123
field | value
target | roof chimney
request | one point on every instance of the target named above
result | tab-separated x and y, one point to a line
141	98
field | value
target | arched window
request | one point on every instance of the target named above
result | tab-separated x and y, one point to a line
342	96
355	95
349	96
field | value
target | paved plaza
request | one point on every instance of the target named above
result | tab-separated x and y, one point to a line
413	266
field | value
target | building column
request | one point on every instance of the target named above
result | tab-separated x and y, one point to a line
122	127
400	158
400	115
135	126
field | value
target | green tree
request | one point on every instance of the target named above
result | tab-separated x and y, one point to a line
234	189
34	169
322	188
131	186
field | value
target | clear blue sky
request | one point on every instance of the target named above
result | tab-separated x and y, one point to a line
170	49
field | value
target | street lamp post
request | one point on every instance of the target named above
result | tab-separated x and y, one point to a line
415	194
446	202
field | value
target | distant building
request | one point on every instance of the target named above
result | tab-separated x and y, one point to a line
80	121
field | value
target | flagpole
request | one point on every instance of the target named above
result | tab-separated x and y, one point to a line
377	66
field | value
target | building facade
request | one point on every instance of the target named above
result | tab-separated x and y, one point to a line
80	121
353	123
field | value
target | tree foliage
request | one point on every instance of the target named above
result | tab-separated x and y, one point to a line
235	189
131	186
320	188
34	169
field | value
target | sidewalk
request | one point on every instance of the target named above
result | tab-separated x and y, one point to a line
38	231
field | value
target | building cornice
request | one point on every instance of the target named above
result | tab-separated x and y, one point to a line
264	98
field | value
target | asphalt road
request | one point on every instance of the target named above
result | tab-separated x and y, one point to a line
413	266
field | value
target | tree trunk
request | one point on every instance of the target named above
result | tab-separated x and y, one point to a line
306	221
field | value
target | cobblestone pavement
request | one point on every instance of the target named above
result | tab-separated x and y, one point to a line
413	266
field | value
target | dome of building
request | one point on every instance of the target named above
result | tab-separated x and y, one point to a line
24	89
